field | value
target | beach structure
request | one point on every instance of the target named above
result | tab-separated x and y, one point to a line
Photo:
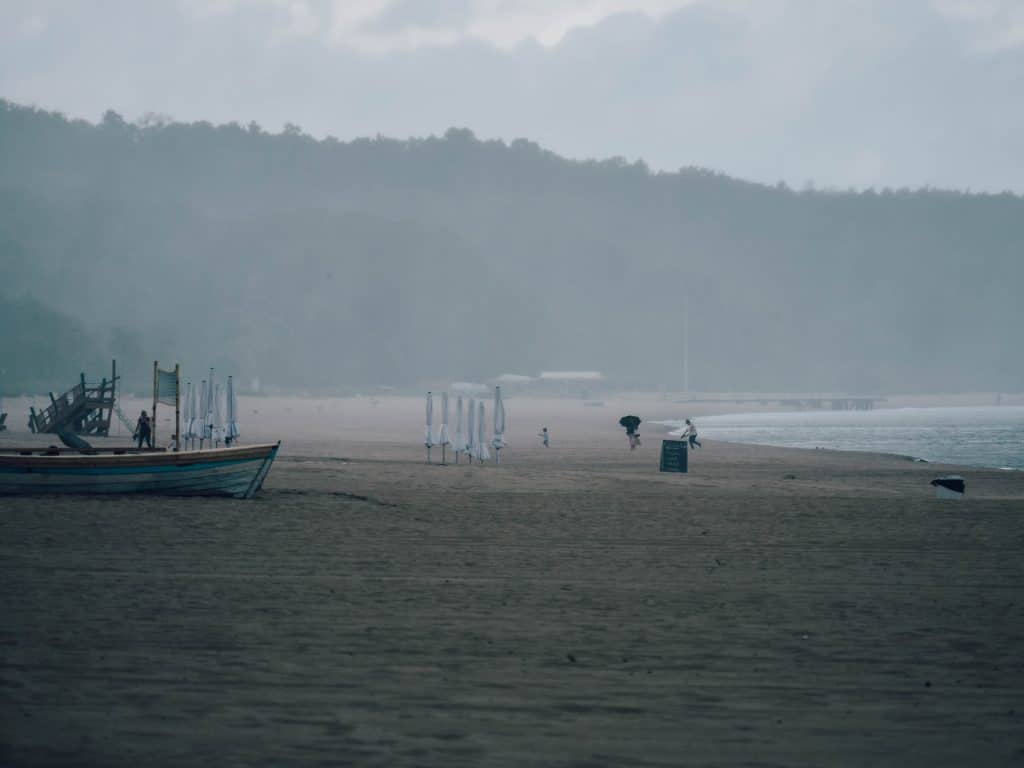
237	472
428	435
442	434
499	425
85	409
569	383
468	388
480	447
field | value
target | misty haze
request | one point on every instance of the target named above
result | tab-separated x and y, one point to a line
562	382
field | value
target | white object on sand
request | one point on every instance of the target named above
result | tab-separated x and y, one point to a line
480	449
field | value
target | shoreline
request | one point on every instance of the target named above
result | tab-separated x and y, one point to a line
571	605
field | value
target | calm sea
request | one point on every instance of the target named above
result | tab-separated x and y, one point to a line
991	436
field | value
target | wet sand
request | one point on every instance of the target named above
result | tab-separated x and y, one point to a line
572	606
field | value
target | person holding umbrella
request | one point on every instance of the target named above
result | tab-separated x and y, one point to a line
632	425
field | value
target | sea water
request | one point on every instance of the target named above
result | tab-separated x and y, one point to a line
984	436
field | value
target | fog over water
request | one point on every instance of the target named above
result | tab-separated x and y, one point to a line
990	436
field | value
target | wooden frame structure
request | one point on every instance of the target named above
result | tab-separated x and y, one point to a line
85	409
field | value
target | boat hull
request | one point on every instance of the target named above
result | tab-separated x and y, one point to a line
235	472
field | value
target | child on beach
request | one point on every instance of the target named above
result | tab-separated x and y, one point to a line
545	436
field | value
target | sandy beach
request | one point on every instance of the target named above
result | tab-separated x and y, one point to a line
572	606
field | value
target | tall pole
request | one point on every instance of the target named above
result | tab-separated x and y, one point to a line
156	384
686	345
177	407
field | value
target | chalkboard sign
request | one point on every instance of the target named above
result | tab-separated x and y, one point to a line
673	456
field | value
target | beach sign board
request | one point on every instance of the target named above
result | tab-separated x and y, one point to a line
673	456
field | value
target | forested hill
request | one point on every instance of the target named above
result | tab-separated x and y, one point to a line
337	266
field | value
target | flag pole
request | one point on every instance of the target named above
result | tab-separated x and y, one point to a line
152	428
177	407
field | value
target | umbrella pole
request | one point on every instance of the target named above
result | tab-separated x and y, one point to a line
497	455
443	460
428	454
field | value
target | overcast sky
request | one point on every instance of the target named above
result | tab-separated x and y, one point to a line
838	92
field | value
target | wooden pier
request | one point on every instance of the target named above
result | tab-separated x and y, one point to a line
85	409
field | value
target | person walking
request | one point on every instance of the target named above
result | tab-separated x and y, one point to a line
691	433
144	430
545	436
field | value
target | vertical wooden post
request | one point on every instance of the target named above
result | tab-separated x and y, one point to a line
177	407
152	416
113	395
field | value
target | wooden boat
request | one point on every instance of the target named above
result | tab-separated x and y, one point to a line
238	472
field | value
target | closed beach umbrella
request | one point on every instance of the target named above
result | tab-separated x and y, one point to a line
232	434
471	432
499	425
460	433
218	414
211	404
200	415
428	434
482	454
186	414
442	434
190	430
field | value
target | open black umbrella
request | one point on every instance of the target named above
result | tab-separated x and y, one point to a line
631	423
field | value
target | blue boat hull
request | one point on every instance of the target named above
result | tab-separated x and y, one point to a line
235	472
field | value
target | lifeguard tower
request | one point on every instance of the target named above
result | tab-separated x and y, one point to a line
85	409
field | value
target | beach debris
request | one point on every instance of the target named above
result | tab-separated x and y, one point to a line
949	487
570	657
789	477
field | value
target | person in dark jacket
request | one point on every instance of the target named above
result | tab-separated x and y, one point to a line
144	430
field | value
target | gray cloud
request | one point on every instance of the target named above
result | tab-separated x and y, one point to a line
863	92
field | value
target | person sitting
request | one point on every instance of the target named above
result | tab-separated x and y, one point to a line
144	430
